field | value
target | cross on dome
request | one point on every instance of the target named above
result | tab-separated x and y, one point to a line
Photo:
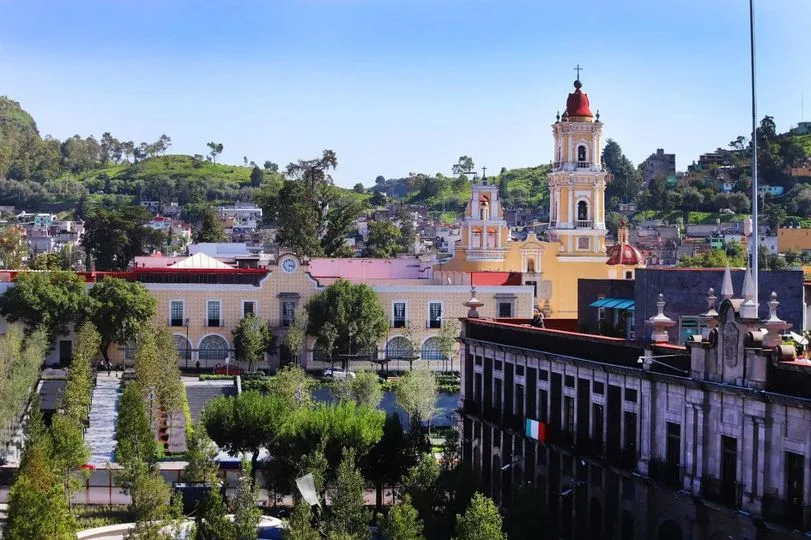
577	68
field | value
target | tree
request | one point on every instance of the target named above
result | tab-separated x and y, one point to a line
380	180
257	176
293	387
378	199
347	513
300	526
150	496
49	262
76	398
384	239
270	166
51	301
214	150
448	337
134	438
420	485
12	247
201	455
463	166
388	460
210	229
358	188
354	310
416	394
252	339
626	182
246	514
481	521
211	519
296	334
364	389
118	309
326	339
691	198
114	237
244	423
402	522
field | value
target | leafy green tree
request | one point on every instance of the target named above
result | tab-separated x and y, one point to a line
211	519
150	496
326	340
12	247
210	228
118	309
627	180
270	166
51	301
244	423
364	389
201	455
296	335
293	387
481	521
115	236
49	262
246	513
134	438
257	176
465	165
358	188
347	513
421	485
214	150
20	360
448	339
389	459
300	524
378	199
384	240
252	339
68	452
354	310
402	522
169	385
416	394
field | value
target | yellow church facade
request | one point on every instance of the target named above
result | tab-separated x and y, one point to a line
576	245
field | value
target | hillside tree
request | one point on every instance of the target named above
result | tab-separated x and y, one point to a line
215	149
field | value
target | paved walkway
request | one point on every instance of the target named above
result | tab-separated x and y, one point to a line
100	435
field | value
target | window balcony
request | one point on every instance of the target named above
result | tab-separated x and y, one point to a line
583	223
790	513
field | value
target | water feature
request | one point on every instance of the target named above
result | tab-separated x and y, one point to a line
100	435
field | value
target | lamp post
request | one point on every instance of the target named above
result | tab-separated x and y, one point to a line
351	329
755	240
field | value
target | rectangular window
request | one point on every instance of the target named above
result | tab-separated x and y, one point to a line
499	365
673	448
434	315
398	315
478	360
519	400
176	316
795	474
248	308
497	397
543	401
288	312
519	370
213	313
597	425
505	310
599	387
569	381
543	375
630	395
568	413
630	432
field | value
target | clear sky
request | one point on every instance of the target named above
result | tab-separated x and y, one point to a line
399	86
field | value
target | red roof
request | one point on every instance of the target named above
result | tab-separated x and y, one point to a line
578	103
495	278
624	254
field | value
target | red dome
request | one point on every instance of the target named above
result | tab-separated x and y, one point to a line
578	103
624	254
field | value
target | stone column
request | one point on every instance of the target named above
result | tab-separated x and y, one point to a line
749	454
689	444
760	429
699	448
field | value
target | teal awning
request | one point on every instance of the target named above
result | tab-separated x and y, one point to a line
614	303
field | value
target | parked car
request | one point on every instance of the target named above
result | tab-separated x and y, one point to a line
228	370
338	373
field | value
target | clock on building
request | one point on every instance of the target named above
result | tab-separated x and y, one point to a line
289	264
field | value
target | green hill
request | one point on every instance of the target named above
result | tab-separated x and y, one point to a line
176	167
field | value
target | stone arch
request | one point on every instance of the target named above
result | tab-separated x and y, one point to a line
213	349
582	152
430	349
183	347
398	347
669	530
484	207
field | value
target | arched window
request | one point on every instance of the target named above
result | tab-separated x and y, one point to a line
581	153
213	348
484	208
531	265
582	211
398	348
430	349
560	154
183	348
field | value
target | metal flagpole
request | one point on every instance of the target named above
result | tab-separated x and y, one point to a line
755	244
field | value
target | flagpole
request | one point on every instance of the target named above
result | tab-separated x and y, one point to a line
755	243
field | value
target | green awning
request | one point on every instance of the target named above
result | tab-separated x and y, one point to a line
614	303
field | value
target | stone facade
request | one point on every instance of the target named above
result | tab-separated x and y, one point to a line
643	441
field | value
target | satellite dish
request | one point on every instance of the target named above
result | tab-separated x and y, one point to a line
306	486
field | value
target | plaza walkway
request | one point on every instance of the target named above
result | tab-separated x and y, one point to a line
100	435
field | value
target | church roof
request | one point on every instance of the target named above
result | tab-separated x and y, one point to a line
201	260
624	254
578	102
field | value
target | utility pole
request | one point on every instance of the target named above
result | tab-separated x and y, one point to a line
755	244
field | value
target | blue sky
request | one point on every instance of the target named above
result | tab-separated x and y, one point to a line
395	86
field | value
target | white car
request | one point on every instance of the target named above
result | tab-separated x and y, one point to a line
338	373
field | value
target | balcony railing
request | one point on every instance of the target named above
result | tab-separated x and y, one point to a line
790	513
669	474
726	493
583	223
574	165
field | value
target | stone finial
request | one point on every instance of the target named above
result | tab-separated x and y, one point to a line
473	304
726	286
749	306
660	322
710	317
774	325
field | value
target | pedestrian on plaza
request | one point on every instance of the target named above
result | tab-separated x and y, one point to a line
109	367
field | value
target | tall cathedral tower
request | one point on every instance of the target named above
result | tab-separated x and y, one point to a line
577	181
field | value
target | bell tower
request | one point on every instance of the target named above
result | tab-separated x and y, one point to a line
577	181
